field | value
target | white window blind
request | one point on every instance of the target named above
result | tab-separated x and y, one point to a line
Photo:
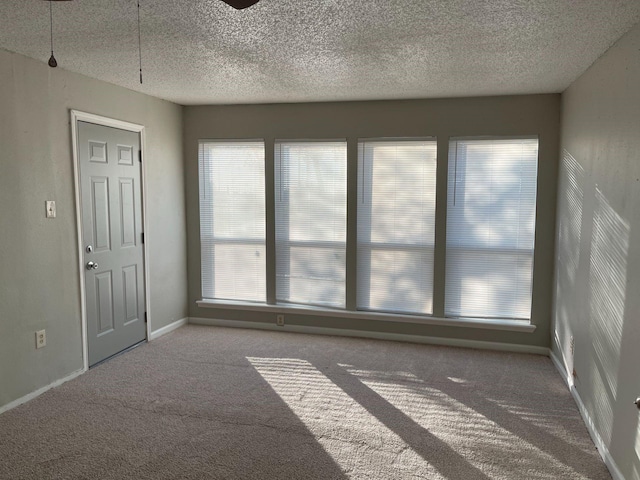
396	225
311	221
232	220
491	212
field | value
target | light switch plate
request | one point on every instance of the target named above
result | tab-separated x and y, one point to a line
51	209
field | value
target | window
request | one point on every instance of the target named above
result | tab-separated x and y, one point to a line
396	225
490	226
232	220
311	222
491	210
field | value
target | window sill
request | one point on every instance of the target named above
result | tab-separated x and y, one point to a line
489	324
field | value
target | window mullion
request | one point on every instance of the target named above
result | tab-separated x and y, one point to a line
440	247
352	224
270	218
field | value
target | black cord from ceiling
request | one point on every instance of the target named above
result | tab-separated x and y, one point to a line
53	63
139	44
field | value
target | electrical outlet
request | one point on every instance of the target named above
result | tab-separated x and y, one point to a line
41	338
280	320
572	345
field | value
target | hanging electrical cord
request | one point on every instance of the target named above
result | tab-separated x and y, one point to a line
52	60
139	44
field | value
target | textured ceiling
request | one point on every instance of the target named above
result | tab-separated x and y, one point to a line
205	52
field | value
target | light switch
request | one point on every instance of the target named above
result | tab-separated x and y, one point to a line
51	209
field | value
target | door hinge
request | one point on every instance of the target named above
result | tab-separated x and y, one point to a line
142	237
140	155
145	317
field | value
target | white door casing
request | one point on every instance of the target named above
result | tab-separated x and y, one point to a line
110	217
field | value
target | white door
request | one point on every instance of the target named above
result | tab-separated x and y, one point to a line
111	204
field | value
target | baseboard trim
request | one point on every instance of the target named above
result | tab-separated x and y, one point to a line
40	391
168	328
595	435
562	369
398	337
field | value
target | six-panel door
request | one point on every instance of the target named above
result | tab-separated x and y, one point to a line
110	174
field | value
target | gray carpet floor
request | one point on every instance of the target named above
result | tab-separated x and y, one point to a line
220	403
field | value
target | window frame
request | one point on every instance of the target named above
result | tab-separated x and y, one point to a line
227	240
288	244
365	180
514	252
350	309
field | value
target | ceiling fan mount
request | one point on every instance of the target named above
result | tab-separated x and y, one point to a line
240	4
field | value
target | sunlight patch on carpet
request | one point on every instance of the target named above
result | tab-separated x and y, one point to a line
497	452
354	438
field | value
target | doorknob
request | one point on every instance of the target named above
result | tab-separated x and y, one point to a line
637	402
92	266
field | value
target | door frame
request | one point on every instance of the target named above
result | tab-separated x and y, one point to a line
79	116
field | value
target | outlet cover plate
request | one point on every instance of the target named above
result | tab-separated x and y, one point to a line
41	338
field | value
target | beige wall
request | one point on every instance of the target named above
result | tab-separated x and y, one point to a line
443	118
598	247
39	284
